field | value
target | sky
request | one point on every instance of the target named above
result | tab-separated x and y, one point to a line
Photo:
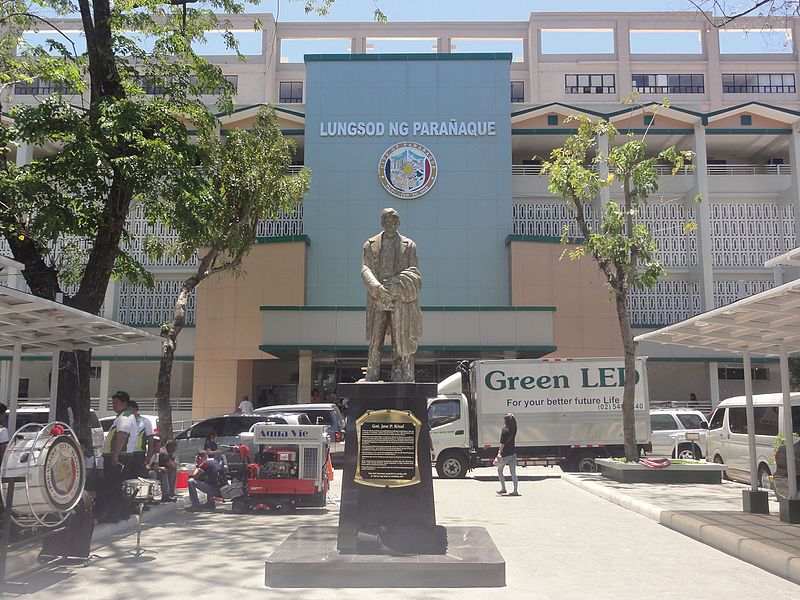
461	10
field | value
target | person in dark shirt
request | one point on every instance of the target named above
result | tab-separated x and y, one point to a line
208	477
507	454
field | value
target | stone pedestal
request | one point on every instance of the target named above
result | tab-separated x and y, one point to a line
372	517
755	502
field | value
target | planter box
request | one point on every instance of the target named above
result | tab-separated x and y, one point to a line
636	473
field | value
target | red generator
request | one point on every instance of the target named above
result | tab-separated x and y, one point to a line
288	467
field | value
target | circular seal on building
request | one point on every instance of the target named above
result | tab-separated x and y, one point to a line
407	170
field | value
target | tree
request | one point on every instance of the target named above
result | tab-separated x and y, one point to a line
64	216
246	182
623	247
724	12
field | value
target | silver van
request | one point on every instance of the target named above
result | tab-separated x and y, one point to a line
726	440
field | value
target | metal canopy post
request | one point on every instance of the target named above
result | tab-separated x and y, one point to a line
791	471
54	385
751	420
13	397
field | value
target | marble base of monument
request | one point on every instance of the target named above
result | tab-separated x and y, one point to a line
309	559
387	482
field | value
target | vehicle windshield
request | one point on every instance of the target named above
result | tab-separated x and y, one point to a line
690	420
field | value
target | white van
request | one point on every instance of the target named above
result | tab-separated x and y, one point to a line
727	435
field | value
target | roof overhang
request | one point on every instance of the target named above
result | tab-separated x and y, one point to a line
247	112
37	325
776	113
760	324
792	257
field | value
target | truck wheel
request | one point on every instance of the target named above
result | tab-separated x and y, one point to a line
687	452
240	506
451	465
763	477
583	462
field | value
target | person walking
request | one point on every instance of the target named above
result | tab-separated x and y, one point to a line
507	455
245	406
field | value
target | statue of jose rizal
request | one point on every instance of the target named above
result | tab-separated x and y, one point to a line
390	271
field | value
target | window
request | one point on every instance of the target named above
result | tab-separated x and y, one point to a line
691	420
766	418
94	372
552	119
590	84
737	373
648	119
737	420
40	87
683	83
518	91
443	412
152	87
291	92
758	83
796	419
717	418
662	423
745	120
24	385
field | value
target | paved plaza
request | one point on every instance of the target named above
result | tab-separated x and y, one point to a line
559	541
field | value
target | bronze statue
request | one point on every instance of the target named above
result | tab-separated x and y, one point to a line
390	271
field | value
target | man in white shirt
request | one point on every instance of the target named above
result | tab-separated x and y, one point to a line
144	432
245	406
117	461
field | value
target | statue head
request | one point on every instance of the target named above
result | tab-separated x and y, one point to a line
390	220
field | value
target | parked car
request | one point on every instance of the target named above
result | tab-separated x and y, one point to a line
727	434
228	428
781	478
107	422
32	413
319	414
678	433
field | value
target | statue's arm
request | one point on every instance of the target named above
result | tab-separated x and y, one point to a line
371	282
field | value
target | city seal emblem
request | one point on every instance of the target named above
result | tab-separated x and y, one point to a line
407	170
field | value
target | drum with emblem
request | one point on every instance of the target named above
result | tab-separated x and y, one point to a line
50	460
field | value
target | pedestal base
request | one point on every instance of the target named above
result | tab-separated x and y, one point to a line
789	509
309	559
755	502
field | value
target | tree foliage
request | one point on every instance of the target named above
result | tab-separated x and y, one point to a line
623	246
245	181
116	136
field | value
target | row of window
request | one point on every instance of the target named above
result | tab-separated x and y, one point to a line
766	419
41	87
683	83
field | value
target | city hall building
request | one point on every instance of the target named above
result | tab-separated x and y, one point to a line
449	123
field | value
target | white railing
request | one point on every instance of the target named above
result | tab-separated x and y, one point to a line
150	405
146	405
686	170
293	169
749	169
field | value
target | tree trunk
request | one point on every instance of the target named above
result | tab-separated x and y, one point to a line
628	396
73	392
170	332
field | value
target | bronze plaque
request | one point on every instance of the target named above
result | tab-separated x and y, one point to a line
388	442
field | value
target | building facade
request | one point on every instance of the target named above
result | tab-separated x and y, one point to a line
449	124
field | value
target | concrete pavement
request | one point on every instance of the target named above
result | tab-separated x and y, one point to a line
558	542
711	514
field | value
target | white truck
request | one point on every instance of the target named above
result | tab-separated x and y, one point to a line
568	412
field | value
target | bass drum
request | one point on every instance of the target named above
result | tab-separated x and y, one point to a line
53	468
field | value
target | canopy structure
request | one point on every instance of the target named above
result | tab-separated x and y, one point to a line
32	325
767	324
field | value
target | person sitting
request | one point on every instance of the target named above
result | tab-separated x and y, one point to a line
208	477
168	471
152	457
